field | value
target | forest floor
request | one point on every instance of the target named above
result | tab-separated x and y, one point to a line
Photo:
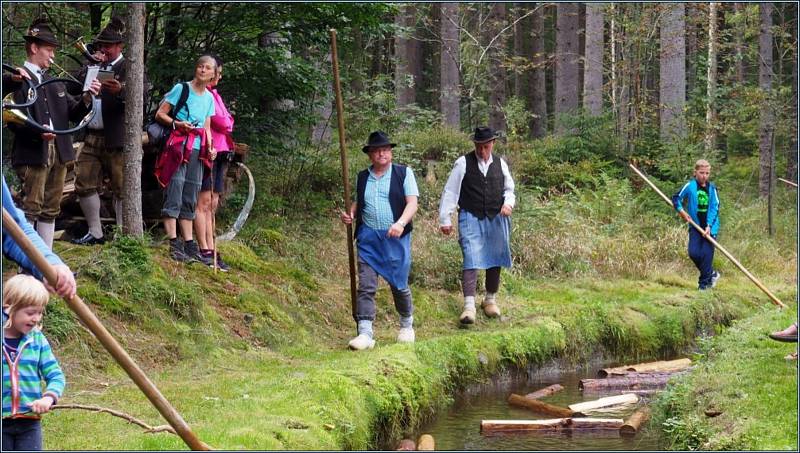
259	360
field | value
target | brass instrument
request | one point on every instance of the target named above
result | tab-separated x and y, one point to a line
64	72
85	51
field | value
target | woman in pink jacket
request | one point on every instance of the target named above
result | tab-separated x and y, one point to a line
214	179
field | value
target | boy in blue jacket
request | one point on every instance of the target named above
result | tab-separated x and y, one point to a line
702	206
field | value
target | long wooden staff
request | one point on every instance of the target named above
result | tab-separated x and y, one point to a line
714	242
345	172
793	184
89	319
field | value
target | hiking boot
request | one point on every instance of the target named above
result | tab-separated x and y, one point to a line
490	308
714	277
406	335
361	342
191	250
88	239
176	251
467	316
208	255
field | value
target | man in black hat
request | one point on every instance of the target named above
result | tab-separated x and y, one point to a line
386	201
482	189
105	134
40	158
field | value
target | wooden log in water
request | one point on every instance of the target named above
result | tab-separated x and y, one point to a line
635	422
407	445
628	398
540	407
497	426
547	391
426	443
604	391
660	366
641	382
595	423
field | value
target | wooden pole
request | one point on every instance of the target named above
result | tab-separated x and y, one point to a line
752	278
351	255
793	184
97	328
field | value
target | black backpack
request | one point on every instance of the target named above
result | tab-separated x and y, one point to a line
157	133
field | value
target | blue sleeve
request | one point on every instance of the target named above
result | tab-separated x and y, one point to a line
713	206
174	95
410	184
13	251
676	199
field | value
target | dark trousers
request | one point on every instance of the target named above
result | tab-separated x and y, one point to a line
701	251
368	286
469	281
22	434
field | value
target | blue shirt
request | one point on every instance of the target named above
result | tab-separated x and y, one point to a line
13	251
377	210
198	107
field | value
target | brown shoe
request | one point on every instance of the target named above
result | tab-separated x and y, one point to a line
490	308
467	316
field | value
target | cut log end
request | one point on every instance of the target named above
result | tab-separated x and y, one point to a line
426	443
635	422
407	445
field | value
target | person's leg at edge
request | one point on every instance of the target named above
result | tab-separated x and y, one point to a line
365	306
469	284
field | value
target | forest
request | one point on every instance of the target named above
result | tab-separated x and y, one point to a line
257	359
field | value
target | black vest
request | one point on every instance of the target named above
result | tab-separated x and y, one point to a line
482	196
397	196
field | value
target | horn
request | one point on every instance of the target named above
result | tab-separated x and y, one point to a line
84	49
8	101
15	116
64	72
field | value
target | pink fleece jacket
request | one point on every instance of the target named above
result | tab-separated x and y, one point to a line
221	124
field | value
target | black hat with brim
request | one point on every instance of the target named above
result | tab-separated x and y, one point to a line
484	134
40	32
113	33
377	139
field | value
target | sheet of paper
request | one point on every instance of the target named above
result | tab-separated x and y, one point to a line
91	74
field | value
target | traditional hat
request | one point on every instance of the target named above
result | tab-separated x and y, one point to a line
40	31
484	134
113	33
377	139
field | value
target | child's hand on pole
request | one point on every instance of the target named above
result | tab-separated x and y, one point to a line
42	405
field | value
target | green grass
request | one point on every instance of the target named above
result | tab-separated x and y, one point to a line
742	374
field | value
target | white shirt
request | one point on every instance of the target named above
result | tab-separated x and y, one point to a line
37	71
452	190
97	121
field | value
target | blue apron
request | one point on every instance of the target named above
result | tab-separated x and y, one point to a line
484	243
389	257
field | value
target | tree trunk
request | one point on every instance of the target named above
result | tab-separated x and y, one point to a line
321	132
95	17
118	9
767	127
134	86
626	383
672	75
567	56
404	83
738	38
520	73
691	47
791	152
538	88
497	72
450	88
593	60
171	26
635	422
540	407
711	91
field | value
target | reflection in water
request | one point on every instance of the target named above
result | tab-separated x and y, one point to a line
459	427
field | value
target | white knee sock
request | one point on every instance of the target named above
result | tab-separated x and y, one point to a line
91	210
46	230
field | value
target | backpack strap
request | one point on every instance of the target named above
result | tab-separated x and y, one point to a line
182	99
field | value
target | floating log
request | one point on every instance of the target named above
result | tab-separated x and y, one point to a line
595	423
626	383
547	391
540	407
605	391
496	426
407	445
627	398
635	422
425	443
660	366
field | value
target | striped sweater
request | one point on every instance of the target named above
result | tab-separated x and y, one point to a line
22	378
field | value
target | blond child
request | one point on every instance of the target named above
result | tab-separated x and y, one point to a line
27	360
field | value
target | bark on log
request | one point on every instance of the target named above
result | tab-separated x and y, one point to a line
605	391
625	383
627	398
497	426
426	443
540	407
635	422
595	423
660	366
406	445
547	391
